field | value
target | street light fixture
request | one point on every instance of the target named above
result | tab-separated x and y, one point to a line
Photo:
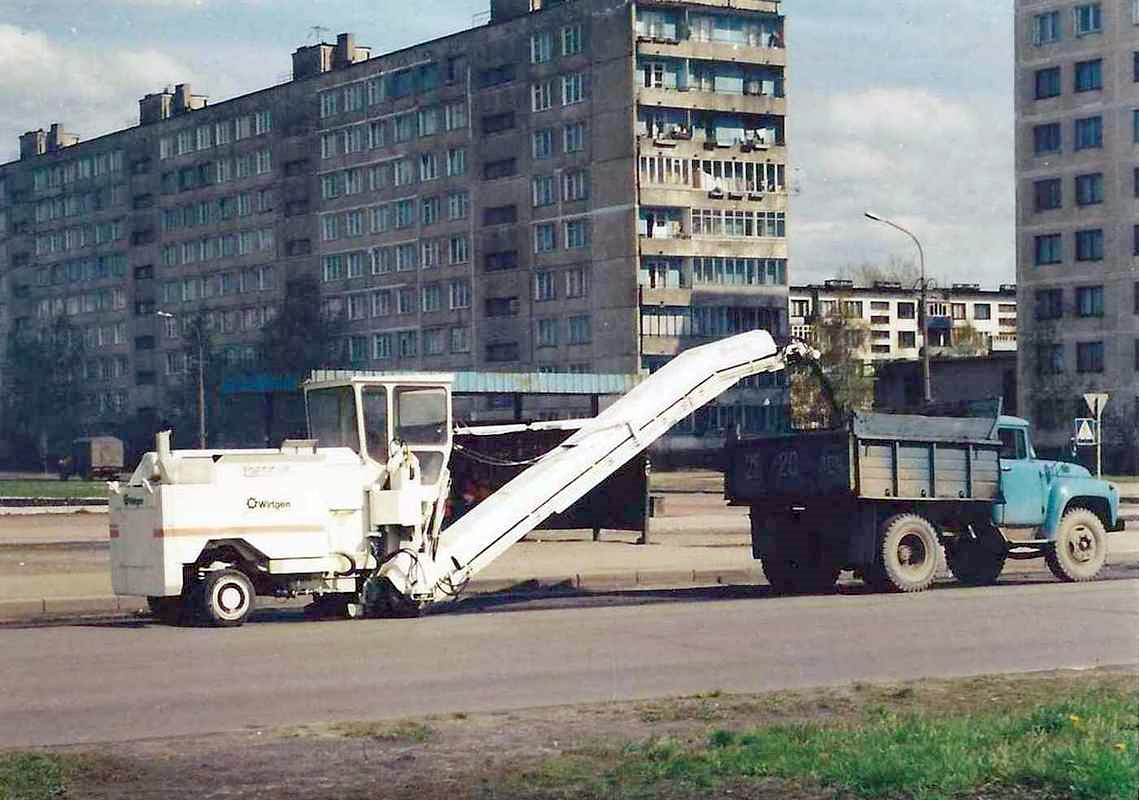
201	378
923	318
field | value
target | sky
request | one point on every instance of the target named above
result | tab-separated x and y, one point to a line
902	107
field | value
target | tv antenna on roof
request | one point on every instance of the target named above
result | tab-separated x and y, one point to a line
316	33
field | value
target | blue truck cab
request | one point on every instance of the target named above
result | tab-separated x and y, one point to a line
1037	493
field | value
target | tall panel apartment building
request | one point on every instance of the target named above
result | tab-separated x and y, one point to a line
588	186
1077	169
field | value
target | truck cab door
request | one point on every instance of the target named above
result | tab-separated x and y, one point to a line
1022	482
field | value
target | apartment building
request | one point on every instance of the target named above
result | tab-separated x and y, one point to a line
581	186
1077	172
963	318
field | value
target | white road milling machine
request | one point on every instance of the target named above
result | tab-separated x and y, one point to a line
354	515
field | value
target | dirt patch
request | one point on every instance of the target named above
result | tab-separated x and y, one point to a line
542	752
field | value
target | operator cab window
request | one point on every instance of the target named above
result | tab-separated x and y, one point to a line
375	399
332	417
421	421
1013	445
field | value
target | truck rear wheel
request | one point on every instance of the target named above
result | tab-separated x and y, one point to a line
977	561
225	598
907	555
1080	549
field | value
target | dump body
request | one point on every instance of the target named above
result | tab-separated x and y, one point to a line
876	457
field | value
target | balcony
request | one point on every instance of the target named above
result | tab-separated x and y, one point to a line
711	51
662	296
713	101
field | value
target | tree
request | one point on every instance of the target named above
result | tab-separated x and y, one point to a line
44	404
300	337
968	341
900	270
843	383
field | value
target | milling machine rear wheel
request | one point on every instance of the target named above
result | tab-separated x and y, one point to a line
225	598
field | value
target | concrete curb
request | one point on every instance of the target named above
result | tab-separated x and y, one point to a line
59	608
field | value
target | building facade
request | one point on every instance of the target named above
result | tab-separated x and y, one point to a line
1077	173
963	318
582	186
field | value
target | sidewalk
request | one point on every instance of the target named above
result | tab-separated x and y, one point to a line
58	566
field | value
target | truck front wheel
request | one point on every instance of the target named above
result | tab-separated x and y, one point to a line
907	556
1080	549
225	598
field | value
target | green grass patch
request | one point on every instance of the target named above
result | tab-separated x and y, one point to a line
1081	744
32	776
53	488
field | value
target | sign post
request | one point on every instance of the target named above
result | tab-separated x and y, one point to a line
1096	401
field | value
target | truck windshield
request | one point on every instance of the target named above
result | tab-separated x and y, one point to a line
332	417
421	415
1013	444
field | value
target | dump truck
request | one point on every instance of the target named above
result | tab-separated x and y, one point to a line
355	514
883	494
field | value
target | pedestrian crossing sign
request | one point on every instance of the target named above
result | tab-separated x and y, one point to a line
1086	431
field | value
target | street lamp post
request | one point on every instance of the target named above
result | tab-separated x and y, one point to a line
201	379
923	318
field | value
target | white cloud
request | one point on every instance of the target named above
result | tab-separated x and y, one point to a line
940	166
44	81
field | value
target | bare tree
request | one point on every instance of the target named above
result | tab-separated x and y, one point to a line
901	270
848	387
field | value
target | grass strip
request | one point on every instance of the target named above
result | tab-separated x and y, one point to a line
50	488
31	776
1084	746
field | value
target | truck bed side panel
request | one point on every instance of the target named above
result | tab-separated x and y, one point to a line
790	467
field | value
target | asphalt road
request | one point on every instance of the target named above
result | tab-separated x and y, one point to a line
109	682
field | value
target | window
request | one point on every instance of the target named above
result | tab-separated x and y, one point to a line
907	310
1046	28
574	136
545	286
543	190
1048	249
542	96
458	205
543	144
1088	75
575	185
455	115
496	75
1047	194
1135	125
501	306
1087	19
1047	82
571	40
428	121
458	250
1049	304
404	213
573	89
502	351
577	234
460	340
1089	301
982	311
1089	357
431	297
428	166
404	127
544	237
1046	138
430	251
1089	189
907	339
578	329
457	161
1089	133
1135	238
503	168
429	210
577	282
541	47
1089	245
460	294
505	259
548	332
433	341
407	343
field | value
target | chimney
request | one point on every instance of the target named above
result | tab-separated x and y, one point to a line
182	98
57	138
155	107
312	60
33	143
345	50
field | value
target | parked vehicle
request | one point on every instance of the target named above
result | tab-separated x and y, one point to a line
883	494
93	458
